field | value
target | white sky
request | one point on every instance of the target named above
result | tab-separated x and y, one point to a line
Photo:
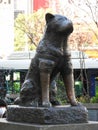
6	27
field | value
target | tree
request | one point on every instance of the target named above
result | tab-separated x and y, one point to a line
88	12
84	15
29	29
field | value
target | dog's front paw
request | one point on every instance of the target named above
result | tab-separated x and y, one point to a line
46	104
76	103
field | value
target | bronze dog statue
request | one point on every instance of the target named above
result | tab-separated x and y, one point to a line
51	57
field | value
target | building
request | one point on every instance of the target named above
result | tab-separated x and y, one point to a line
28	6
23	6
14	68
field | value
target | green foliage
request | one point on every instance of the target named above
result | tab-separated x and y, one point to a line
19	39
16	87
62	97
88	99
84	99
61	92
94	99
29	29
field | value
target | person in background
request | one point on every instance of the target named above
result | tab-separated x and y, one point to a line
3	107
3	104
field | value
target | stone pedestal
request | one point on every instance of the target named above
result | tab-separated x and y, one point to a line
52	115
7	125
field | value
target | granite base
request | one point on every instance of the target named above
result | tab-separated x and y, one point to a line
52	115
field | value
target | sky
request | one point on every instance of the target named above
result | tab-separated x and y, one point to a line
6	27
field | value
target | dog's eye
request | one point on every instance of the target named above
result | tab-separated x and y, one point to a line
65	18
60	18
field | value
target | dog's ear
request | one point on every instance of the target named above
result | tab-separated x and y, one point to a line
49	17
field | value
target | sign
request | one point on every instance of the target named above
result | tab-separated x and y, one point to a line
6	26
5	1
37	4
93	53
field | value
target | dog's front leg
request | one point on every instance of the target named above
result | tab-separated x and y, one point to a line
69	84
45	67
45	81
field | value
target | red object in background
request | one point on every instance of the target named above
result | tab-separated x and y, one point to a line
37	4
